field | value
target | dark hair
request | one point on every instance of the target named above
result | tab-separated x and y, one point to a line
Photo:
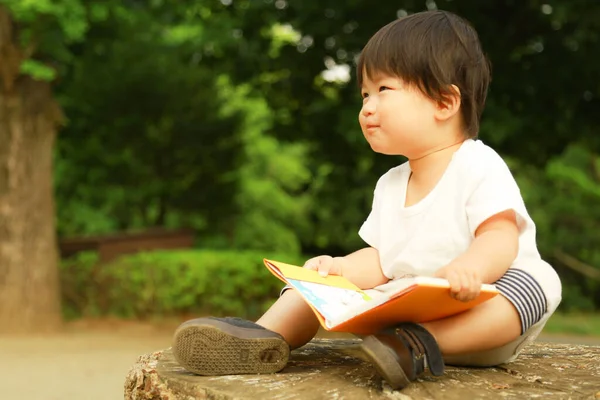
432	50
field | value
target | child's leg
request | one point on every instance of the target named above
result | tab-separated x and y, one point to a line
292	318
487	326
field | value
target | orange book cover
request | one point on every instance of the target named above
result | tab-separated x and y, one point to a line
341	306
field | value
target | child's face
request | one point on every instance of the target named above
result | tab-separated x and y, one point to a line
396	118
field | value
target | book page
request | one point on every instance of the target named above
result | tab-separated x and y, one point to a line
331	302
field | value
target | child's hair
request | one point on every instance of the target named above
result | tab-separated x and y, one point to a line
432	50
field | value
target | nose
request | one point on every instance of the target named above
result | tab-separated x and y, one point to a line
369	106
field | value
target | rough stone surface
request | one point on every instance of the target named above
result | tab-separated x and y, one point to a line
333	369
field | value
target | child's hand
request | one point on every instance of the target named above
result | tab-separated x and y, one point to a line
326	265
465	280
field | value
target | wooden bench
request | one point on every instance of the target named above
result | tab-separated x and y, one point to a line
111	246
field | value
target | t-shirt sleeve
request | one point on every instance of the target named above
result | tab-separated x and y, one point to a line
494	191
370	231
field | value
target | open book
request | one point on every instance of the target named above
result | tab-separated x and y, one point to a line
341	306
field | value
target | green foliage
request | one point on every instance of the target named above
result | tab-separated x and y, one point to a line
575	323
39	16
46	28
80	294
141	110
37	70
217	116
185	136
575	297
170	283
272	202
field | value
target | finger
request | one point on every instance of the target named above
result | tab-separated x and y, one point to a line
324	266
455	284
472	289
313	263
476	286
465	287
464	295
467	295
336	266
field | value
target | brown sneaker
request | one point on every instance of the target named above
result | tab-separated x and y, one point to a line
229	346
399	353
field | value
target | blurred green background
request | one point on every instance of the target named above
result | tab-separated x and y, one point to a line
238	119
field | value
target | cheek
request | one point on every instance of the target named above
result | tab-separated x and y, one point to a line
361	118
426	106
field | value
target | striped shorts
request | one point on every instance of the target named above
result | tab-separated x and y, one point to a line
526	294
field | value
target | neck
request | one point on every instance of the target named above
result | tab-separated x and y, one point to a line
437	156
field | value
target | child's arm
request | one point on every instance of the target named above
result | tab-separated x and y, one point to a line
489	256
361	267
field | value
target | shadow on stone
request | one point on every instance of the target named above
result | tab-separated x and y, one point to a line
334	369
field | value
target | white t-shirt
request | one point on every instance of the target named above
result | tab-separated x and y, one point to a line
424	237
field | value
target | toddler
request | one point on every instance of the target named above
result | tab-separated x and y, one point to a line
453	211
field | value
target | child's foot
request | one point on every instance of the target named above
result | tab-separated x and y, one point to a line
228	346
399	353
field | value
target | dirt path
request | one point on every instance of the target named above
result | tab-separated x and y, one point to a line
89	360
86	362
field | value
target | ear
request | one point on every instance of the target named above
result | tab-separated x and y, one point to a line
449	105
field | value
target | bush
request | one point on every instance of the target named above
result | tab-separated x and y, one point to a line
165	283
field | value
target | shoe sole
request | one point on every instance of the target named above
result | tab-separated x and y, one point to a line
384	362
213	347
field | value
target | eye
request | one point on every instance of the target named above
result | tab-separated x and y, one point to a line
382	88
364	95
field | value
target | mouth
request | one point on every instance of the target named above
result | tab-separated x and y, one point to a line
371	127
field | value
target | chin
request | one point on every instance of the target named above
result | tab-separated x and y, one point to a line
383	150
379	149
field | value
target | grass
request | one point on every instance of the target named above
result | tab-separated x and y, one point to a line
574	324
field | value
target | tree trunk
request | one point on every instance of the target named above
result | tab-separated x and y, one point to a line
29	116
